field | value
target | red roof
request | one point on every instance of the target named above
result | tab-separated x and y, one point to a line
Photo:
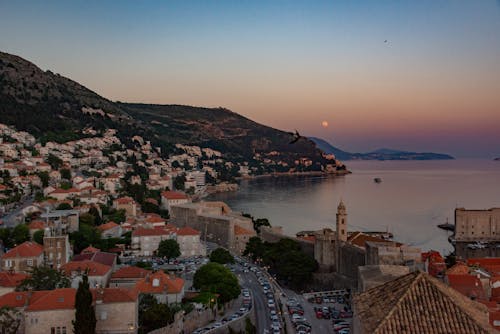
36	225
58	299
468	285
173	195
125	200
93	268
26	249
90	250
105	258
130	272
487	261
143	232
187	231
114	295
155	219
310	238
107	226
166	283
11	280
65	191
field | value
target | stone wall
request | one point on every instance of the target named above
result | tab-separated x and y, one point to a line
476	225
187	323
269	235
351	257
489	250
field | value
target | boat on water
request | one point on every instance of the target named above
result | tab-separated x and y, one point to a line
377	180
447	226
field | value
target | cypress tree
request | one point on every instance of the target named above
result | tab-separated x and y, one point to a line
85	321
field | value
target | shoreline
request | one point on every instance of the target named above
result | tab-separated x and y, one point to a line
293	174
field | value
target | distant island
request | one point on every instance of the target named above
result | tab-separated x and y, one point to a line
380	154
497	159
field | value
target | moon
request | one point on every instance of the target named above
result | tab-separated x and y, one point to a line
324	124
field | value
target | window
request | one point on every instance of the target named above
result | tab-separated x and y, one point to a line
29	262
8	263
104	315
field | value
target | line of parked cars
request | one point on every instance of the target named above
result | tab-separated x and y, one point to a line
296	311
271	302
246	306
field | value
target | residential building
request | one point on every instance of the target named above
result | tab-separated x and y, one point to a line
127	277
10	280
23	258
189	242
116	310
110	230
98	273
169	198
145	241
166	288
128	204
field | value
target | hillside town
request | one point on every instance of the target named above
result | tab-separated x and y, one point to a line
131	228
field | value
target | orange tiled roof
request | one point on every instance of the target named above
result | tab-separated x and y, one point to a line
26	249
468	285
65	191
173	195
154	219
419	303
90	250
107	226
93	268
36	225
311	238
131	272
125	200
458	269
166	283
238	230
11	280
58	299
187	231
359	239
143	232
114	295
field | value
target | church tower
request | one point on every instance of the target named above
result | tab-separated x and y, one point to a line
341	223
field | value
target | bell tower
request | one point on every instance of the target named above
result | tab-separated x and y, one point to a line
341	234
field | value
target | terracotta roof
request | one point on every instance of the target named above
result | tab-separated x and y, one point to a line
58	299
26	249
173	195
458	269
65	191
488	261
11	280
310	238
130	272
187	231
36	225
93	268
124	200
155	219
108	259
19	298
107	226
152	201
419	303
468	285
114	295
2	187
90	250
166	283
359	239
142	232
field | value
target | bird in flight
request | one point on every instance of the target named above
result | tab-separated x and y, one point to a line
296	137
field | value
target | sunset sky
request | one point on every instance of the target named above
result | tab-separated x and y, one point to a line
433	86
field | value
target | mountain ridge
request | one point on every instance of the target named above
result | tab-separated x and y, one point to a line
379	154
55	108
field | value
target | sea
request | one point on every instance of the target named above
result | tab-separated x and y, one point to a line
412	198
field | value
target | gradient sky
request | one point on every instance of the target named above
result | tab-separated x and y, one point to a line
434	86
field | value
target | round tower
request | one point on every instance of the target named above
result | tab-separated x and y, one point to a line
341	222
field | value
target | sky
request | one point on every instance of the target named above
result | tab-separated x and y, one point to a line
415	75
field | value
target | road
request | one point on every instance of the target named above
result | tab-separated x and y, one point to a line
262	312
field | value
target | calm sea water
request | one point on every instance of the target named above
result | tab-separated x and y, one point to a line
413	197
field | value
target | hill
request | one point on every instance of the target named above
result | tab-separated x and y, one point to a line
55	108
380	154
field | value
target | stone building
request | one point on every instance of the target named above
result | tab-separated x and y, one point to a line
477	233
215	221
56	248
23	258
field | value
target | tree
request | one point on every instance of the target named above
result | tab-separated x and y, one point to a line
38	237
87	218
169	248
44	178
44	278
153	315
249	327
64	206
65	173
10	320
222	256
20	234
179	182
254	248
54	161
85	320
214	277
258	223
